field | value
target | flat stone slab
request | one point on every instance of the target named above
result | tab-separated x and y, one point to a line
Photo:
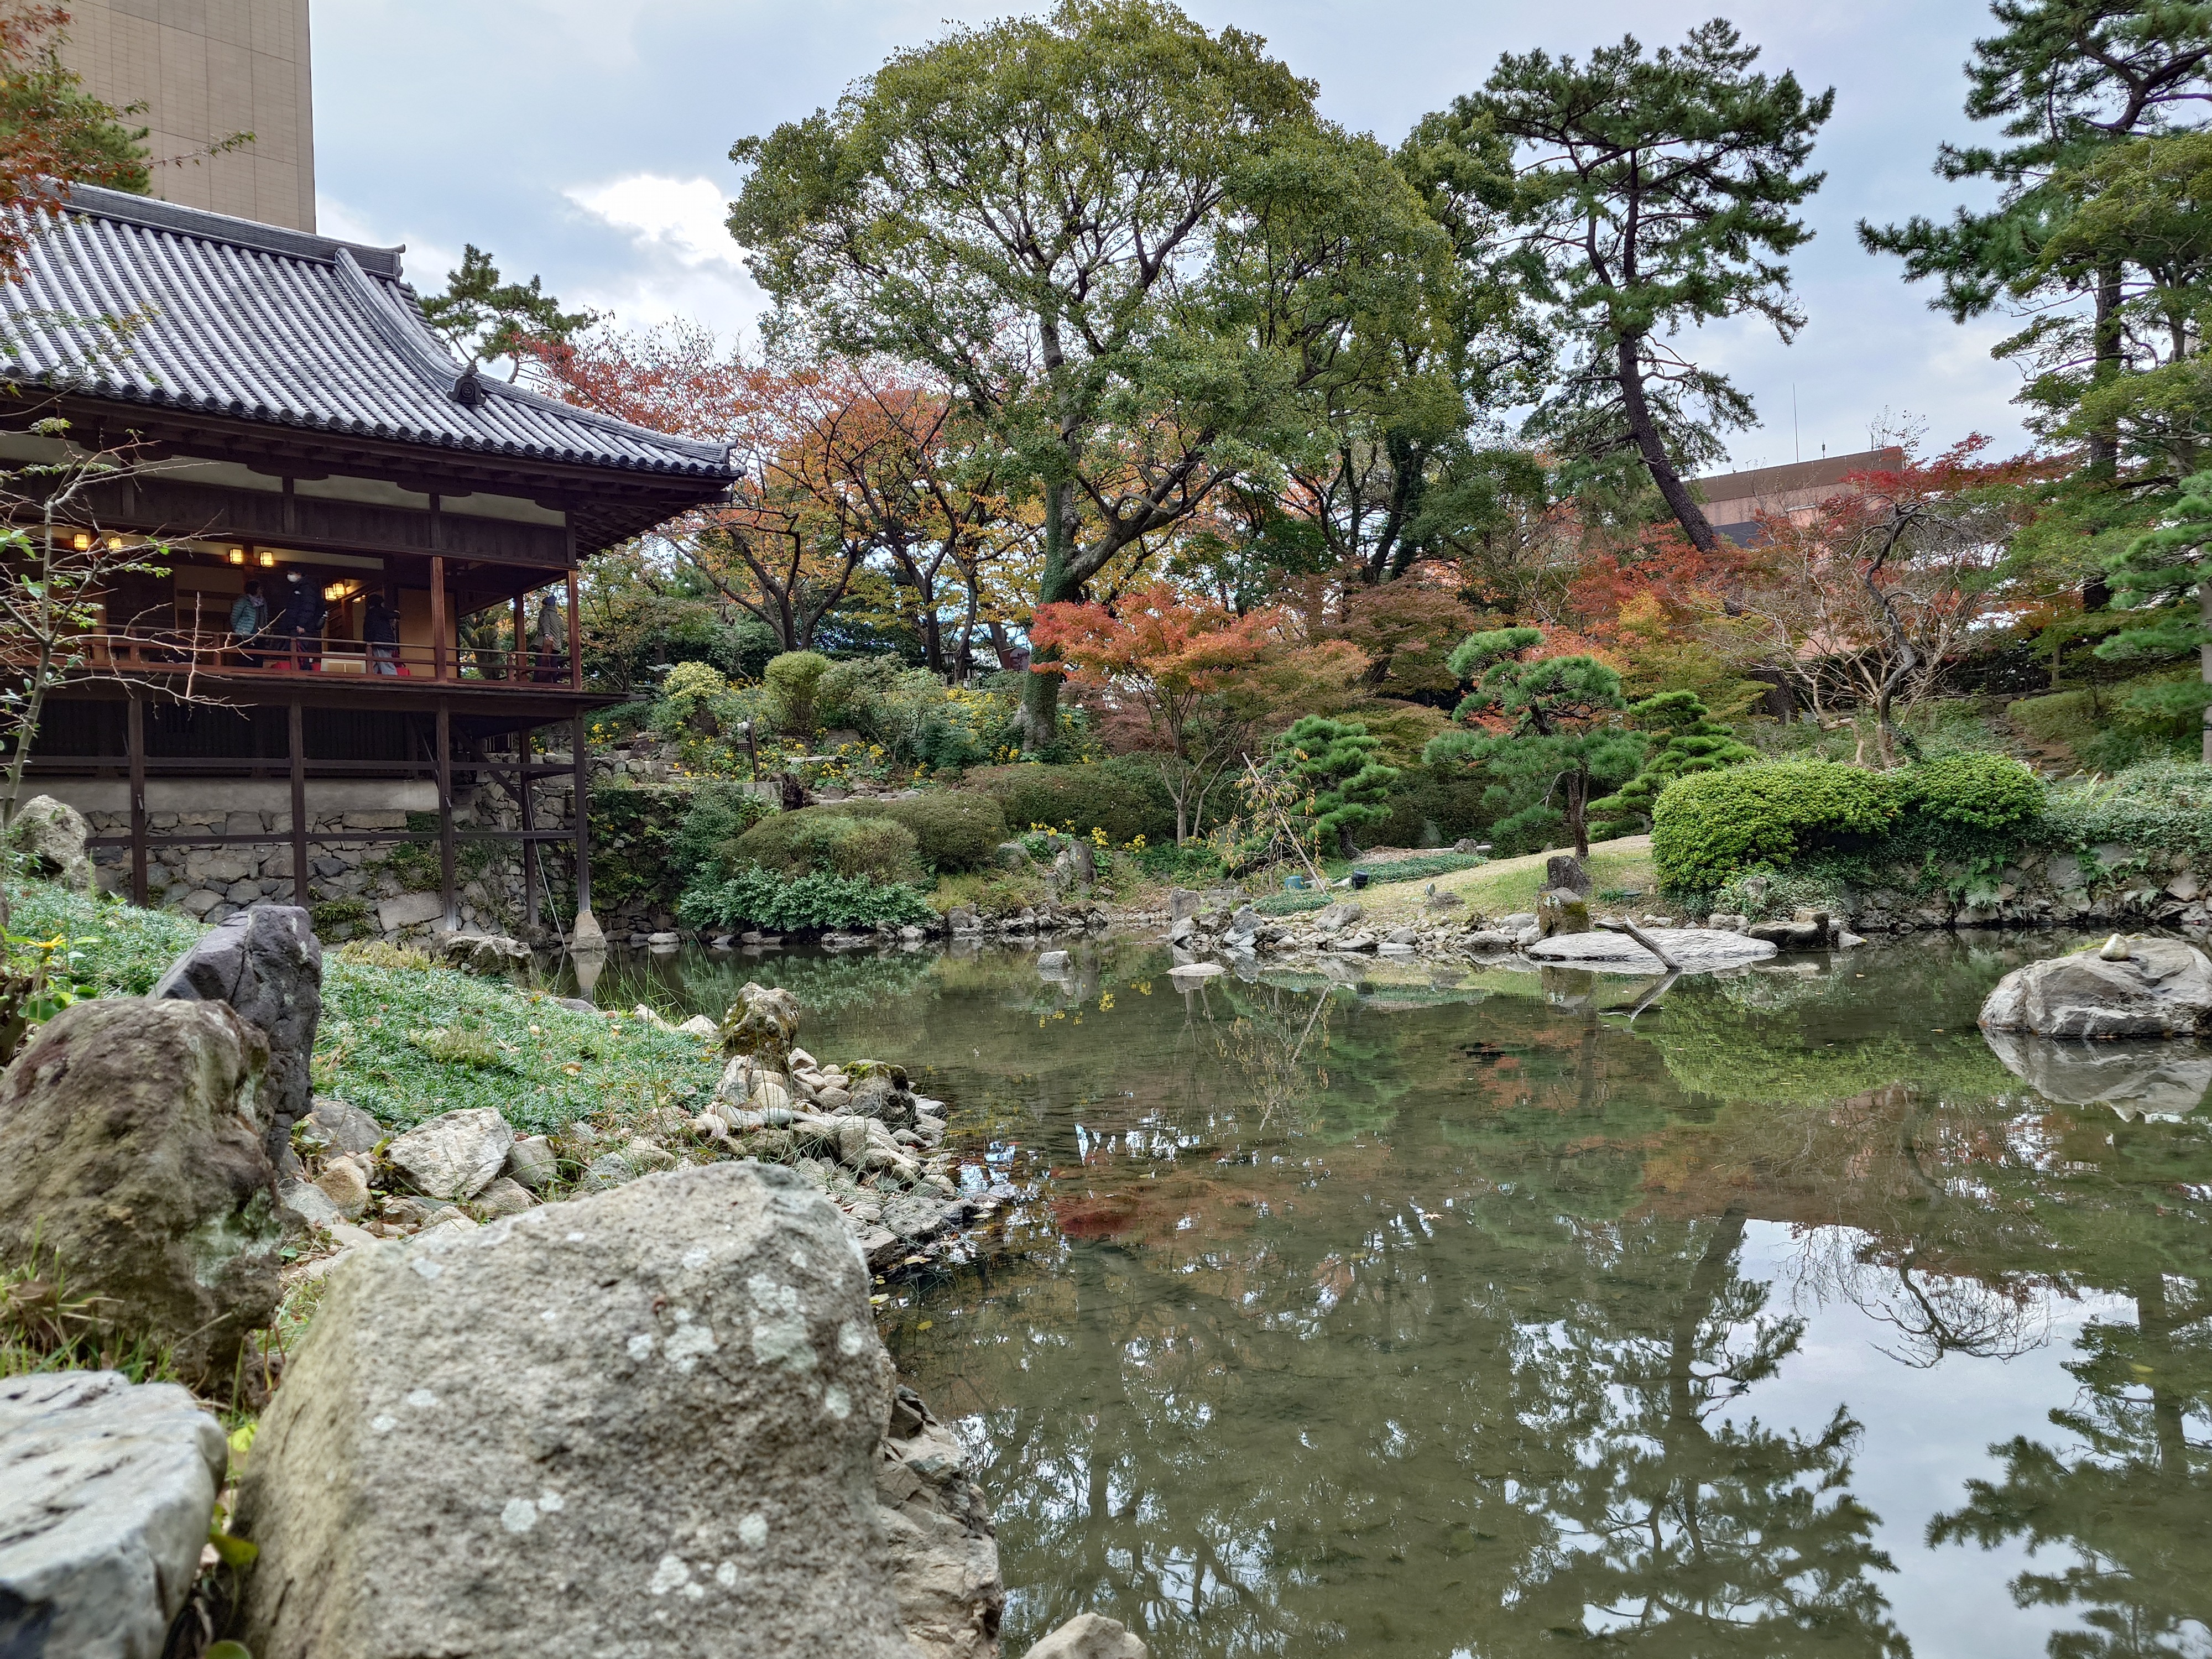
111	1487
1697	948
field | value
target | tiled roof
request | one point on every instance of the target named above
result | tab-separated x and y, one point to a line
261	324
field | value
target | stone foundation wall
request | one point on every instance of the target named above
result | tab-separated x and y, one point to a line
2110	884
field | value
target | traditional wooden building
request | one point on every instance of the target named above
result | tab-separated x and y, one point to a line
309	430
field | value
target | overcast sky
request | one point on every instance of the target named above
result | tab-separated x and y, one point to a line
587	141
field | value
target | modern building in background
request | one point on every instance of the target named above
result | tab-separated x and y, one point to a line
204	70
1733	501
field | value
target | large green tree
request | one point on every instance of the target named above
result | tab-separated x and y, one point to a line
2161	572
2067	79
1130	246
1653	193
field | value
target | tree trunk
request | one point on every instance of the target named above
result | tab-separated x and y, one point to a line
1041	692
1645	431
2105	442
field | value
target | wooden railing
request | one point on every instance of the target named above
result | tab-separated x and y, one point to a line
216	652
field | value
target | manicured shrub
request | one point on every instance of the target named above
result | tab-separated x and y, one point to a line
1122	797
1975	792
1710	825
808	903
794	683
825	840
955	830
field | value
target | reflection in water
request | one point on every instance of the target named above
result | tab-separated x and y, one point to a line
1412	1314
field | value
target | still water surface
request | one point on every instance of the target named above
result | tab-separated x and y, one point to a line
1465	1316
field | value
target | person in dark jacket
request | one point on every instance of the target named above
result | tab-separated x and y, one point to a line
379	631
302	622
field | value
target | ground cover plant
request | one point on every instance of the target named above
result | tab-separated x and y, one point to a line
404	1040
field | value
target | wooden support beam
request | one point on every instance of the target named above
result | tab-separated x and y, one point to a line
580	756
444	757
295	721
135	726
575	637
438	619
518	661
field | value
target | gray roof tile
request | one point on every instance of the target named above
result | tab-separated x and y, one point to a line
277	325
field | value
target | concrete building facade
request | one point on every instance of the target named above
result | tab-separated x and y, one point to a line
205	69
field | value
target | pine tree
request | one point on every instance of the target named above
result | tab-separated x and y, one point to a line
1558	738
2161	569
1335	761
1695	742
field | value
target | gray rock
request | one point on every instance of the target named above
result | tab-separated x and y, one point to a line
1696	948
1091	1636
505	1197
1183	905
268	965
680	1460
409	910
1563	872
763	1024
531	1162
109	1490
1052	962
1489	939
1519	922
345	1184
52	833
938	1538
493	956
1195	970
310	1203
456	1154
2165	1079
130	1154
2163	987
700	1026
342	1127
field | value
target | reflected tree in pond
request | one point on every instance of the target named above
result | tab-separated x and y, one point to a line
2127	1496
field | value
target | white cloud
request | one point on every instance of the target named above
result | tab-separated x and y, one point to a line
682	263
425	261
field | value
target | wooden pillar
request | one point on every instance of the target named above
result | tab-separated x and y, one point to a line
526	800
298	725
518	661
438	617
135	743
581	756
446	893
575	636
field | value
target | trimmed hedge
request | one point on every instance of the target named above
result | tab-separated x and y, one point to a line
1975	792
823	841
1711	825
1124	799
955	830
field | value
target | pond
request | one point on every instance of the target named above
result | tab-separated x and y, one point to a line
1461	1315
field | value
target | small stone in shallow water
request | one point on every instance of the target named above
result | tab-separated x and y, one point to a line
2115	948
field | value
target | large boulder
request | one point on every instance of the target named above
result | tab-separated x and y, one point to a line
762	1025
109	1490
266	964
52	834
2160	987
2154	1080
641	1423
131	1154
1564	872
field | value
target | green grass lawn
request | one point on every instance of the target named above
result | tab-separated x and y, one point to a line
1505	885
405	1040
